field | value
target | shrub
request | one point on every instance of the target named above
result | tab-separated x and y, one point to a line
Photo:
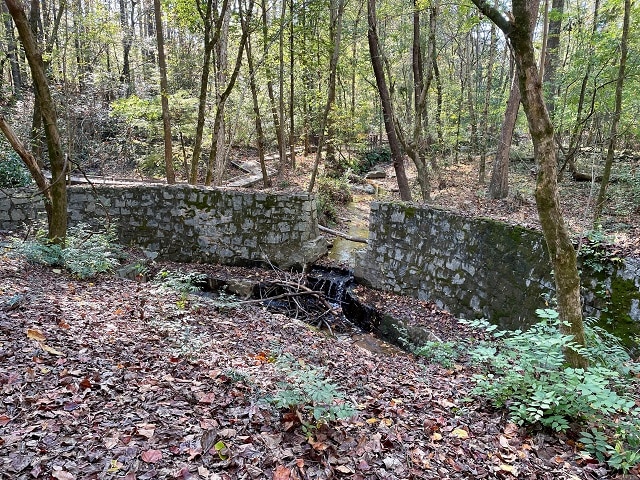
332	193
13	173
85	254
444	354
307	392
526	373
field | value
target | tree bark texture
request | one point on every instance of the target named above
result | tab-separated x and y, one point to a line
606	174
559	245
164	96
385	99
58	219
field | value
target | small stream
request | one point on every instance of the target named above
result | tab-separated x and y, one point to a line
342	251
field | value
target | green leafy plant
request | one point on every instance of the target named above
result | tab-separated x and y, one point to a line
308	393
86	252
445	354
595	252
13	173
184	282
525	372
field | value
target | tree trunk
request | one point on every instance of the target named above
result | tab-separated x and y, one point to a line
551	58
211	36
216	164
499	184
606	175
281	117
260	141
561	251
272	98
127	41
217	176
12	51
337	9
164	96
385	99
31	163
58	218
292	130
484	129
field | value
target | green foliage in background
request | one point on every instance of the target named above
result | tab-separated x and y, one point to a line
332	193
13	172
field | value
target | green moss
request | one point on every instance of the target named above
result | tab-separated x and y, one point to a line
615	317
409	211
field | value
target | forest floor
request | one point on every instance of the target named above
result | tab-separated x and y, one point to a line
113	378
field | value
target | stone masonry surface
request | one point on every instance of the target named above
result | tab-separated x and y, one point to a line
479	267
192	224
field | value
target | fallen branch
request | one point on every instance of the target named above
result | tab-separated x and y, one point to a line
343	235
284	295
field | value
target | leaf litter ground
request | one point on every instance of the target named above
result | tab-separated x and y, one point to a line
111	378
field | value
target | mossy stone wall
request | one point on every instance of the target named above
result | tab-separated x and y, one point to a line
480	267
193	224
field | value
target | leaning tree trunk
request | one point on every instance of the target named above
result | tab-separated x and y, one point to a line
58	187
385	99
499	185
561	251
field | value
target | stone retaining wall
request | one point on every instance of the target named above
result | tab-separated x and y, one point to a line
480	267
192	224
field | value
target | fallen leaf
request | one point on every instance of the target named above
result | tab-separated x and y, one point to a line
436	437
460	433
504	443
509	469
4	420
151	456
345	469
35	334
281	473
62	475
51	350
222	450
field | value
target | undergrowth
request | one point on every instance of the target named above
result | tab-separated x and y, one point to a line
86	252
309	394
525	372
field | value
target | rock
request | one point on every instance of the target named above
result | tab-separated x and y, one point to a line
373	174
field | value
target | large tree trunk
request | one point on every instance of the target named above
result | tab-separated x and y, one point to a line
561	251
164	96
385	99
606	175
58	218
